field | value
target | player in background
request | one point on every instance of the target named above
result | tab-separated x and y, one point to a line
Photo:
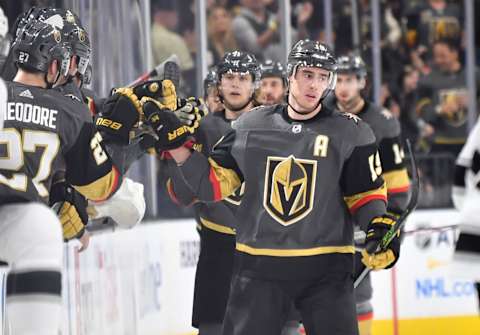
237	78
290	157
44	132
273	86
210	92
351	80
466	198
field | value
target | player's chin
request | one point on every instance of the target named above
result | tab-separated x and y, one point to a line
237	104
307	107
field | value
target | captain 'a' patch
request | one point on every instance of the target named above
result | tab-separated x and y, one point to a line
289	188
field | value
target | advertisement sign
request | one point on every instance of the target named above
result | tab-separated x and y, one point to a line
137	281
421	293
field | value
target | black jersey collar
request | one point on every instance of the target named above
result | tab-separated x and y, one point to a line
324	112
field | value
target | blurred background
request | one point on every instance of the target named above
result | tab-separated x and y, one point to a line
407	45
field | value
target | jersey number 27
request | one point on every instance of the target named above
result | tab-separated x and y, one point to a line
28	142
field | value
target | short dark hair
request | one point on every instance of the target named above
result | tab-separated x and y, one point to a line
452	43
166	5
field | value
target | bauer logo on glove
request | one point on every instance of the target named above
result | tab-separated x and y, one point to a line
171	132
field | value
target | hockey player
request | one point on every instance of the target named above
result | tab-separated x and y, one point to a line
273	86
44	133
237	78
466	197
351	77
127	206
308	171
210	92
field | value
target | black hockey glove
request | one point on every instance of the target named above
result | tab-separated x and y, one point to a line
119	114
71	208
160	90
386	259
190	111
171	132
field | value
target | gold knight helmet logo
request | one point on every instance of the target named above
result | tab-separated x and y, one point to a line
289	188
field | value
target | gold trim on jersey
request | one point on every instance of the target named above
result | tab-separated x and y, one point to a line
236	197
448	140
357	200
396	180
224	181
422	103
289	188
345	249
101	188
217	227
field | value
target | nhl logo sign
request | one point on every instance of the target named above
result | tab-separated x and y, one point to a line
289	188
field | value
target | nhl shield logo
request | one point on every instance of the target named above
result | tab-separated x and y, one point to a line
289	188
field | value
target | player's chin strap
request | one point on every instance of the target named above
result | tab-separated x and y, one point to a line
311	110
50	84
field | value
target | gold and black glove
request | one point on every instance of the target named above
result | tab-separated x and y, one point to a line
161	90
171	132
71	208
377	229
119	114
190	111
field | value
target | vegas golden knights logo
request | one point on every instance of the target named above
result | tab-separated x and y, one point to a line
289	188
236	197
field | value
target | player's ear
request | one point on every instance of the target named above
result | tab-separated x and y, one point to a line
53	71
73	66
362	83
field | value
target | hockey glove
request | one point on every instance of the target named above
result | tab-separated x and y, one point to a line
386	259
161	90
190	111
71	208
119	114
171	132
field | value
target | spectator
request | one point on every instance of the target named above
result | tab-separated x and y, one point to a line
428	23
443	99
256	30
406	97
165	41
220	33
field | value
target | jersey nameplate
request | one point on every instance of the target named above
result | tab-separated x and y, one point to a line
28	113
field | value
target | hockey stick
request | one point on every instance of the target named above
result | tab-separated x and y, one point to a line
168	69
390	235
